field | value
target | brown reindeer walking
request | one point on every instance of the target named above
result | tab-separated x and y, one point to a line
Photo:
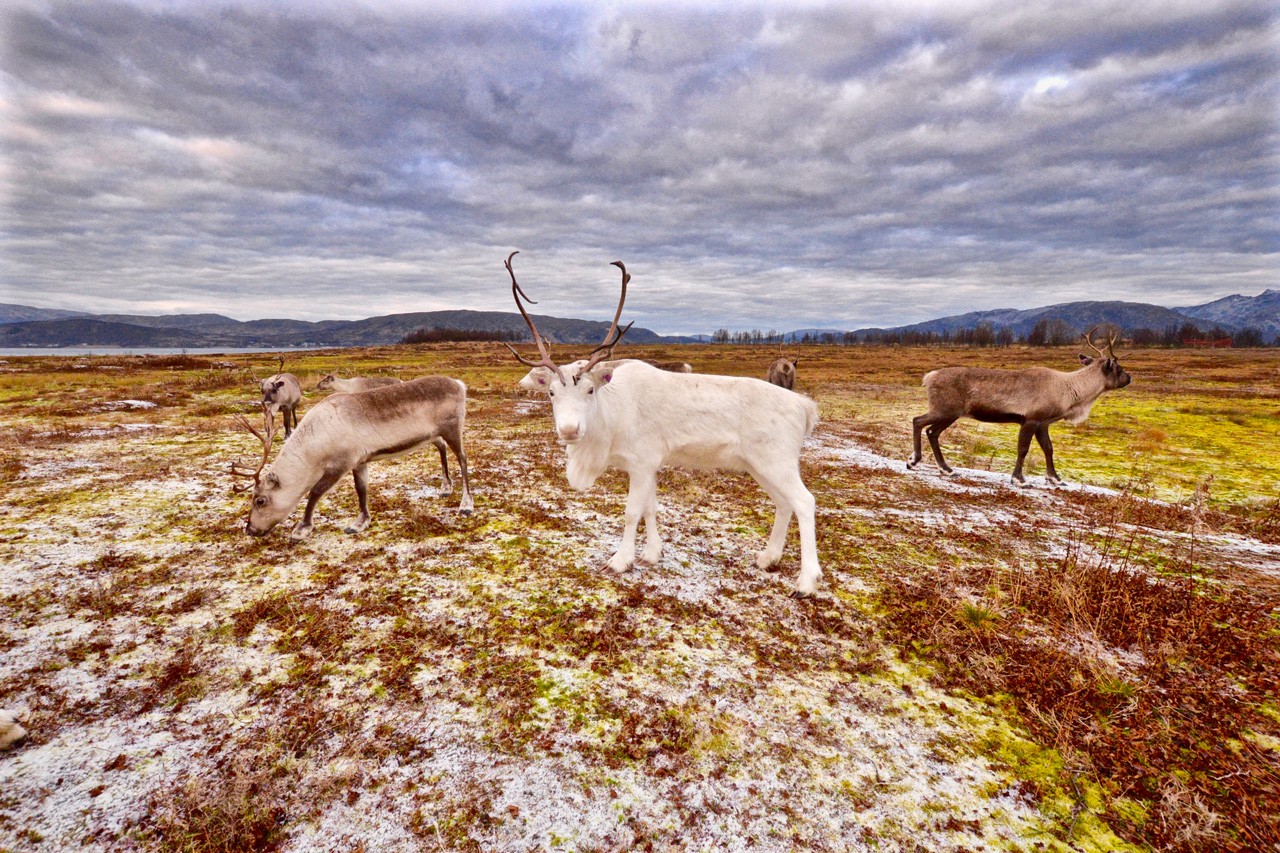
1034	397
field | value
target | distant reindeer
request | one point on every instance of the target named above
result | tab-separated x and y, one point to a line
783	373
631	416
283	393
671	366
1034	397
345	432
355	384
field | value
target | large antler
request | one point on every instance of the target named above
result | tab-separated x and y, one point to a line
516	292
1088	339
605	350
1112	337
240	469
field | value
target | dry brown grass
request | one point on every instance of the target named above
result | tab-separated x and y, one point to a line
1127	636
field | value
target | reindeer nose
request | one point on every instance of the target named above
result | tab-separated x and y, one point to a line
570	433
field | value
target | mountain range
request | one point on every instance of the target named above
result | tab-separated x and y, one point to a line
25	326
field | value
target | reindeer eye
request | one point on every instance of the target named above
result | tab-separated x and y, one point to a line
259	501
590	391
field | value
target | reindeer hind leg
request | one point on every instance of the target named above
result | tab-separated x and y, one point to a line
453	438
791	497
446	482
361	475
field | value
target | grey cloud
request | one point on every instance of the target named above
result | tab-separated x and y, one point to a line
750	164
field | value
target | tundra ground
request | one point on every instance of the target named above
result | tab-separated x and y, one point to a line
1091	667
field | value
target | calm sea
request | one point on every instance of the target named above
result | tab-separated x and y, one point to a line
78	352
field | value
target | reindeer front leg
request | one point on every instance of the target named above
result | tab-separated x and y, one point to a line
652	538
1042	436
303	528
642	488
361	475
1024	444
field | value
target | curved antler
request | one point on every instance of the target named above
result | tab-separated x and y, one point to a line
1088	339
605	350
240	469
516	292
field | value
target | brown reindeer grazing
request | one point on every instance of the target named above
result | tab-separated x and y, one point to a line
344	433
783	373
1034	397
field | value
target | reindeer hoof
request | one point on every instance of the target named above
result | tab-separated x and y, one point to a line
911	464
801	596
1055	481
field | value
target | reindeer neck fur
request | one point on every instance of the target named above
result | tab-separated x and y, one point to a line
588	458
296	473
1085	386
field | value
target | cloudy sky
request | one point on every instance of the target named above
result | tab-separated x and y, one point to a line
778	165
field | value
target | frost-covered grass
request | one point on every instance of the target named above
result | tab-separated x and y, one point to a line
1090	667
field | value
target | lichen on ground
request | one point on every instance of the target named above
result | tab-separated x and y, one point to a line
444	681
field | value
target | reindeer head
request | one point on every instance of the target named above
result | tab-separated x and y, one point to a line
1113	375
326	382
264	513
572	387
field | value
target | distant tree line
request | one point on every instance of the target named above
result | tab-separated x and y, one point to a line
437	336
1047	332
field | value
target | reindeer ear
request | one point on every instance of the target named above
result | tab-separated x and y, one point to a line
1085	360
602	376
278	385
272	479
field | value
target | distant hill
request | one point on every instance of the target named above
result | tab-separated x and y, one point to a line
1261	312
215	330
80	331
22	325
1232	313
24	313
1080	315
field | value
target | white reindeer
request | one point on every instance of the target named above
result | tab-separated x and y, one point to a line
344	433
634	417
